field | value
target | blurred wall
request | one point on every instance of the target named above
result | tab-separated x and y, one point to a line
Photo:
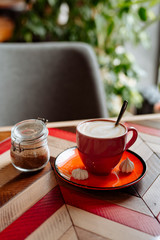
147	58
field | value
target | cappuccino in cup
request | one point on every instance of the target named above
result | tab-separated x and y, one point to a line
101	144
101	129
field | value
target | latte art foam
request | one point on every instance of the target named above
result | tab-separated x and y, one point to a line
101	129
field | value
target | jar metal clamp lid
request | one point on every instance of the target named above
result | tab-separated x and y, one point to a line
28	132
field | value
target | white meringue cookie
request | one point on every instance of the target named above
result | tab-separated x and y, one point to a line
80	174
126	166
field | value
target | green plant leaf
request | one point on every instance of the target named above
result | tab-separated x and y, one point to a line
142	12
123	10
28	37
36	28
154	2
110	28
51	2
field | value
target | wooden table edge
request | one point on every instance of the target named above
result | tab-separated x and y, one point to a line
75	122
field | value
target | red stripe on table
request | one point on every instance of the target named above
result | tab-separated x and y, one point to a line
62	134
144	129
111	211
5	145
34	217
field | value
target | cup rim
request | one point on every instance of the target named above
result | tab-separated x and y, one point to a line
100	119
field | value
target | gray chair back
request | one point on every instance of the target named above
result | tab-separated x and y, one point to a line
58	81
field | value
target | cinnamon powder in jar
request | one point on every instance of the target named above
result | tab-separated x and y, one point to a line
29	150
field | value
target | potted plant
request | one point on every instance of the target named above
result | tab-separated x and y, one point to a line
106	25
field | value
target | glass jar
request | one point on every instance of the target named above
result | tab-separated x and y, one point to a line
29	147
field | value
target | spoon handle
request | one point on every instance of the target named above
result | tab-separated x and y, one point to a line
124	106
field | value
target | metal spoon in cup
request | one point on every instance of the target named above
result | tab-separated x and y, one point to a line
123	108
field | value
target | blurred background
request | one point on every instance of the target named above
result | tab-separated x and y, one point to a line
125	35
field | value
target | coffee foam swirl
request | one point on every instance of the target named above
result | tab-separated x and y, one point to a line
101	129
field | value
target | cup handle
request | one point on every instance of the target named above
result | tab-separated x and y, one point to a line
133	138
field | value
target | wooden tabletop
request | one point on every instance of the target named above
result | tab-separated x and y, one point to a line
41	206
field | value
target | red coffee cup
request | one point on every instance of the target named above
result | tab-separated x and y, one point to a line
101	155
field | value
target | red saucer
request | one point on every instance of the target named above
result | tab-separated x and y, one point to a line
69	160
